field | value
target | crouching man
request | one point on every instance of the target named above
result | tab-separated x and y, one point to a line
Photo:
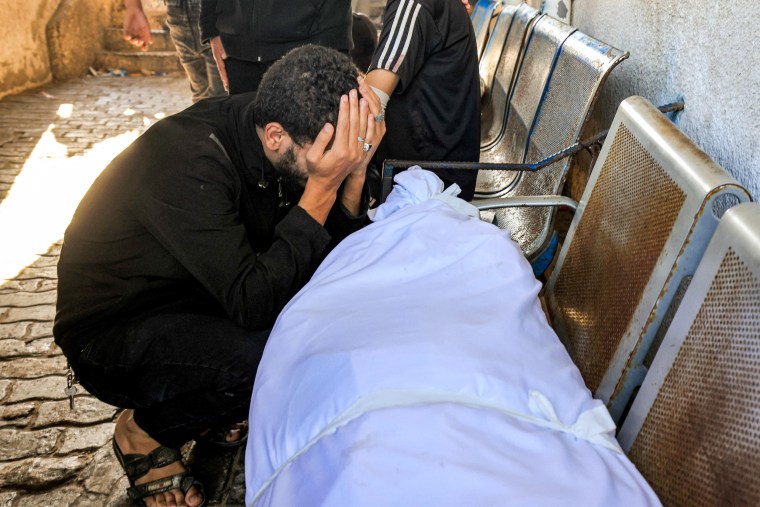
192	240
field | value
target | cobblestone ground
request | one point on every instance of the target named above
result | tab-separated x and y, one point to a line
50	137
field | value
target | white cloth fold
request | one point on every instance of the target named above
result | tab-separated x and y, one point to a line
594	425
417	185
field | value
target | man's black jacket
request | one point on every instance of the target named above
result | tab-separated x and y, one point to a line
191	216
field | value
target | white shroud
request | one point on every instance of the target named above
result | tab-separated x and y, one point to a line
417	368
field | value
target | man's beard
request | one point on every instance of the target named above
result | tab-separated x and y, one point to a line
286	169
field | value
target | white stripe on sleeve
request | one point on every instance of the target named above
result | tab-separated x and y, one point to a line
408	39
399	32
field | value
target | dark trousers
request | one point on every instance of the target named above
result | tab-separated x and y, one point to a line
181	373
195	56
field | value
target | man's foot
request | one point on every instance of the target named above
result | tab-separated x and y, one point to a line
131	439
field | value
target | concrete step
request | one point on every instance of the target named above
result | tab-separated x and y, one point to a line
113	41
147	63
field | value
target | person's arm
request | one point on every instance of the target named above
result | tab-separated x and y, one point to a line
207	20
393	68
220	55
210	34
136	26
383	80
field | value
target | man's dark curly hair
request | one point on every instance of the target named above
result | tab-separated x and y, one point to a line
302	90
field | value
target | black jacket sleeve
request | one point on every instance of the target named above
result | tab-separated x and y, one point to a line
340	223
207	20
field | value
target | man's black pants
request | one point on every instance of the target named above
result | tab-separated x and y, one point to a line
181	373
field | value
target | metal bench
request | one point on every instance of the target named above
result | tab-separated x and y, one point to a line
481	21
649	209
693	430
561	73
530	117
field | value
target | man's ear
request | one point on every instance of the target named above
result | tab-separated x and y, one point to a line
273	135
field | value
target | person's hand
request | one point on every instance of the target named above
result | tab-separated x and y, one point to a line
328	165
220	55
375	119
136	27
339	156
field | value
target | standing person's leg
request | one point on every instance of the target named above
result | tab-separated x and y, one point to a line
182	20
214	80
178	375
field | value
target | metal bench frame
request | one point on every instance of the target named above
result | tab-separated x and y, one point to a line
613	284
693	427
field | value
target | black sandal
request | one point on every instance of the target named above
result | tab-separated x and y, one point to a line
137	465
219	437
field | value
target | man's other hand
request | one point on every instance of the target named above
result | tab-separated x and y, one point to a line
220	55
136	26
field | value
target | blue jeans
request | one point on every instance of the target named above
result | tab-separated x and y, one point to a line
196	57
182	373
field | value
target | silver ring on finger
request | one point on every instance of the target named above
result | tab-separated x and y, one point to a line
361	139
366	147
380	117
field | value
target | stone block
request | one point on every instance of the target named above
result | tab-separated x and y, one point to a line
40	330
22	299
20	444
148	62
15	348
34	285
39	312
16	414
34	272
46	260
43	388
102	475
88	410
4	385
35	473
7	497
69	495
119	498
13	329
34	367
82	439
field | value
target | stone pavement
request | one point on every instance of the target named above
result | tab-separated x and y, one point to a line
53	142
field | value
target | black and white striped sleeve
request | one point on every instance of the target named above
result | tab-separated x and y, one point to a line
408	36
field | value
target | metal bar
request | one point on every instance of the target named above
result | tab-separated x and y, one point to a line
390	165
525	201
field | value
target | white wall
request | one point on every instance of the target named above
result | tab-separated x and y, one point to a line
706	53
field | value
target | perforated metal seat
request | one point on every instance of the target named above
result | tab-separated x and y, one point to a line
481	21
693	430
651	205
560	75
